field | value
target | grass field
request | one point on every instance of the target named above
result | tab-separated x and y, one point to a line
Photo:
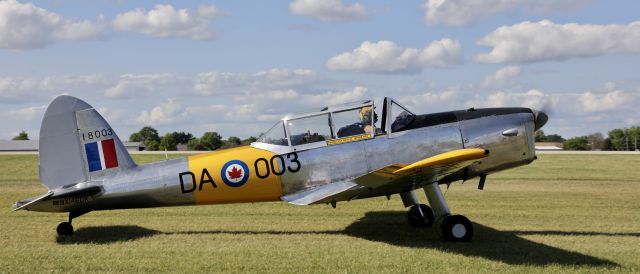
563	213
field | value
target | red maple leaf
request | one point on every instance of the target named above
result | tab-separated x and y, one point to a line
235	173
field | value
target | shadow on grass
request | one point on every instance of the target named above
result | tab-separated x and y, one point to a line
106	235
390	227
504	246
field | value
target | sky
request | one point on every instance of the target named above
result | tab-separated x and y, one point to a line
236	67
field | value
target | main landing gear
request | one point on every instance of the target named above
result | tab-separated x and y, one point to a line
453	228
65	228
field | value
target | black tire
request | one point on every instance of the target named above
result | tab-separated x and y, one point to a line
420	216
457	228
64	229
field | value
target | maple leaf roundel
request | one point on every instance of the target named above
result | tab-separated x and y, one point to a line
235	173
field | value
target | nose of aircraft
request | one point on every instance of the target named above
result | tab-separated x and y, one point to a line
539	118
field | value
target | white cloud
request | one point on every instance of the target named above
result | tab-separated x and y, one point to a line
21	90
501	76
545	40
462	12
433	100
168	112
25	27
328	10
335	97
281	102
593	102
167	21
533	98
113	114
24	114
218	83
138	85
387	57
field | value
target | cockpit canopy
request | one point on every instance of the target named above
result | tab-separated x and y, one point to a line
333	123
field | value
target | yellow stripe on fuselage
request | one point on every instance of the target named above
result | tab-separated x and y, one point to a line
211	188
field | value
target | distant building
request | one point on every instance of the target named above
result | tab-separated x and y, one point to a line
18	145
549	146
32	145
135	146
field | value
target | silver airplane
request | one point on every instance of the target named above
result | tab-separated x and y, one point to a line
337	153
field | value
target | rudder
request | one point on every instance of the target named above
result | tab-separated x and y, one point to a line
77	145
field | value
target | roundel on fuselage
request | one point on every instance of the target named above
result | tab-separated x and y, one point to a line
235	173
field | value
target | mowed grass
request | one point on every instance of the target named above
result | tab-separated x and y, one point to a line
563	213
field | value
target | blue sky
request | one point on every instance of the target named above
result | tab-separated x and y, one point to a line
235	67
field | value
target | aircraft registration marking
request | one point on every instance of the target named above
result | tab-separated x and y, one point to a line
70	201
243	174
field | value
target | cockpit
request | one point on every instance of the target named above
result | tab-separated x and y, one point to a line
335	125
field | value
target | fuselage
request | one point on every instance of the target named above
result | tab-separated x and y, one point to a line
267	173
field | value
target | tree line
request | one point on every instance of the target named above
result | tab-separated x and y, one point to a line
619	139
170	141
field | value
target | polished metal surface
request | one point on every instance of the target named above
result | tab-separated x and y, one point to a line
348	161
506	151
409	198
436	200
148	185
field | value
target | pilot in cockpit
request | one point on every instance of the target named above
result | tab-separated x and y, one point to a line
364	126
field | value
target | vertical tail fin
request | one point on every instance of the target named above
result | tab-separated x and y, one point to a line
78	145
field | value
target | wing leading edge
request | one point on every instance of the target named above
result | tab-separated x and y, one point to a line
429	169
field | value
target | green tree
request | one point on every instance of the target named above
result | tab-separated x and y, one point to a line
181	137
554	138
211	140
21	136
607	145
618	139
248	141
152	145
596	141
633	138
541	137
147	135
577	143
234	141
168	142
194	144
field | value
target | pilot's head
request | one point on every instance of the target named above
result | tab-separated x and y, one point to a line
365	115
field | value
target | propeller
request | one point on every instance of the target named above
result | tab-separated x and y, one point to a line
541	116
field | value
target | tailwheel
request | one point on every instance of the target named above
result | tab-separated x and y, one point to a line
457	228
64	229
420	216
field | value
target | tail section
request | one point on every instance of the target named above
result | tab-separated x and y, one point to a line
78	145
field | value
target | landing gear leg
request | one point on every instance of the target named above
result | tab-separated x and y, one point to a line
65	228
454	228
420	215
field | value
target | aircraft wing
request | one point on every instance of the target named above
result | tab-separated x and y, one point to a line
392	176
433	168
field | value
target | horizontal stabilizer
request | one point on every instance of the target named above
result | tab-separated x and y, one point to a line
25	203
82	189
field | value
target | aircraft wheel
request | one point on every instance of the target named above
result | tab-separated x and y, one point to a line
420	216
457	228
64	229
